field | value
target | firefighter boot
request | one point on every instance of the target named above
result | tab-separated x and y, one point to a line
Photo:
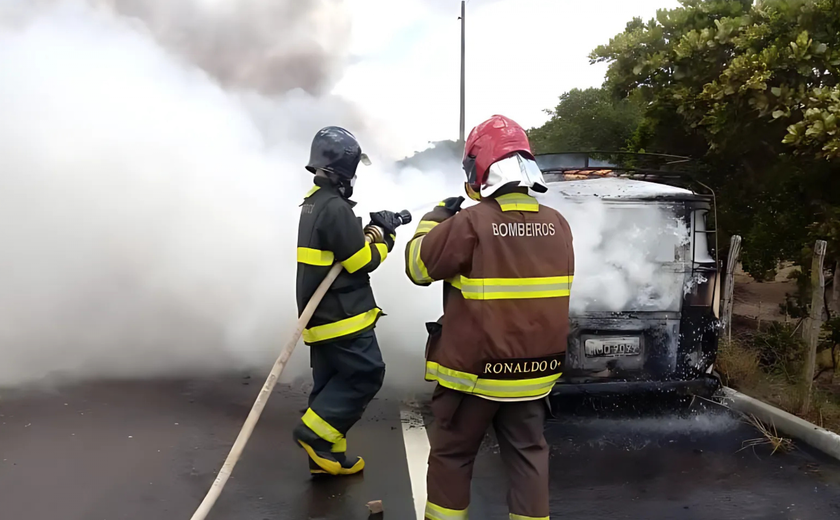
322	460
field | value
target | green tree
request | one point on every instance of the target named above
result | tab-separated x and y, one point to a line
586	120
752	89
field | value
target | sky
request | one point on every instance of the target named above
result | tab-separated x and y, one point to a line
521	55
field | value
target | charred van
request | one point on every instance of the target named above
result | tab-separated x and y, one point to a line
645	299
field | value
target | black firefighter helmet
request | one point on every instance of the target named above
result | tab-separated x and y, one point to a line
337	151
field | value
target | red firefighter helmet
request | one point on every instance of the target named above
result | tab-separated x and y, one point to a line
491	141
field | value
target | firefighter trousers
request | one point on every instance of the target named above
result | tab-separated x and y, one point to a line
347	375
460	423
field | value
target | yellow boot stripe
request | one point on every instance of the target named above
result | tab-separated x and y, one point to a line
357	467
521	517
330	466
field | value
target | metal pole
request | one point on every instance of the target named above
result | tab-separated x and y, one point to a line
463	75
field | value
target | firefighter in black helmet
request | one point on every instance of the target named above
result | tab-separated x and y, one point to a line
347	365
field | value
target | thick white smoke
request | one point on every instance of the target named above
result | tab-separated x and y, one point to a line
148	217
628	257
148	212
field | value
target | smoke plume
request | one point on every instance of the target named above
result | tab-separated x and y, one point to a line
151	163
148	216
628	257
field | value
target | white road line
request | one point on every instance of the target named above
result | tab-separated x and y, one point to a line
417	456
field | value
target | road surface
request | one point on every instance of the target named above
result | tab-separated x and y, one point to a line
150	450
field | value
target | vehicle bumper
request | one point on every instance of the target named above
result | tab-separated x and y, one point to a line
703	386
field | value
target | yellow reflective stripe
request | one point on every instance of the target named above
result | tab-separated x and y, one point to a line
472	384
341	328
311	192
515	288
455	282
522	517
516	388
310	256
359	259
383	251
425	226
436	512
416	267
518	202
322	428
340	446
461	381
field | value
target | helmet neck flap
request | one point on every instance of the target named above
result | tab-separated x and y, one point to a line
497	153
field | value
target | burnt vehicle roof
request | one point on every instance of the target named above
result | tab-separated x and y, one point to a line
621	176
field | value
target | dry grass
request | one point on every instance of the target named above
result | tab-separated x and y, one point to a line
769	436
740	369
825	410
738	366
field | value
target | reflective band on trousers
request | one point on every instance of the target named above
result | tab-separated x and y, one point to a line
503	388
340	446
521	517
513	288
416	267
308	256
322	428
341	328
518	202
436	512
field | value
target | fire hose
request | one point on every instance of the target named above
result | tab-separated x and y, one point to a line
373	234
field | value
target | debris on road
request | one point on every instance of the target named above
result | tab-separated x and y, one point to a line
375	507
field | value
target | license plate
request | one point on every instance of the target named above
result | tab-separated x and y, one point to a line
612	347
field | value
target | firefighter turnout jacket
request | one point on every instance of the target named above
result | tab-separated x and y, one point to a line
330	232
508	264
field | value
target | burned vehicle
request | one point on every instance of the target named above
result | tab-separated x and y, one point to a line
645	297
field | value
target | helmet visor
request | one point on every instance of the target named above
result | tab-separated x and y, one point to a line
515	168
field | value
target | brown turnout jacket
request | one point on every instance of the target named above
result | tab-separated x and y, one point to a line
507	264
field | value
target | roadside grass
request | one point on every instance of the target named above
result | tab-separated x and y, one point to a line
769	435
744	366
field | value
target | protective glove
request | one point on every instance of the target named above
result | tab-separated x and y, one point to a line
387	220
452	205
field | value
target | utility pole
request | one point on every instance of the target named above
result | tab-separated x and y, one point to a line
463	75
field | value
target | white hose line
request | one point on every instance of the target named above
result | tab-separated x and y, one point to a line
247	428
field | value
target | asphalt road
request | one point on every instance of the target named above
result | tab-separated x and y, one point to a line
150	450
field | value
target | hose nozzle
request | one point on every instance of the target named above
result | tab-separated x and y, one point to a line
376	233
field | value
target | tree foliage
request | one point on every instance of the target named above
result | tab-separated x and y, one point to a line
752	89
728	66
586	120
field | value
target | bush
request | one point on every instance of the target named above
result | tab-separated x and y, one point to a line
780	350
738	365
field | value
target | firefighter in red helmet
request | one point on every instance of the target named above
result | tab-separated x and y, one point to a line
507	265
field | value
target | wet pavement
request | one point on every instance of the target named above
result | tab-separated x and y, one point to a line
151	450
